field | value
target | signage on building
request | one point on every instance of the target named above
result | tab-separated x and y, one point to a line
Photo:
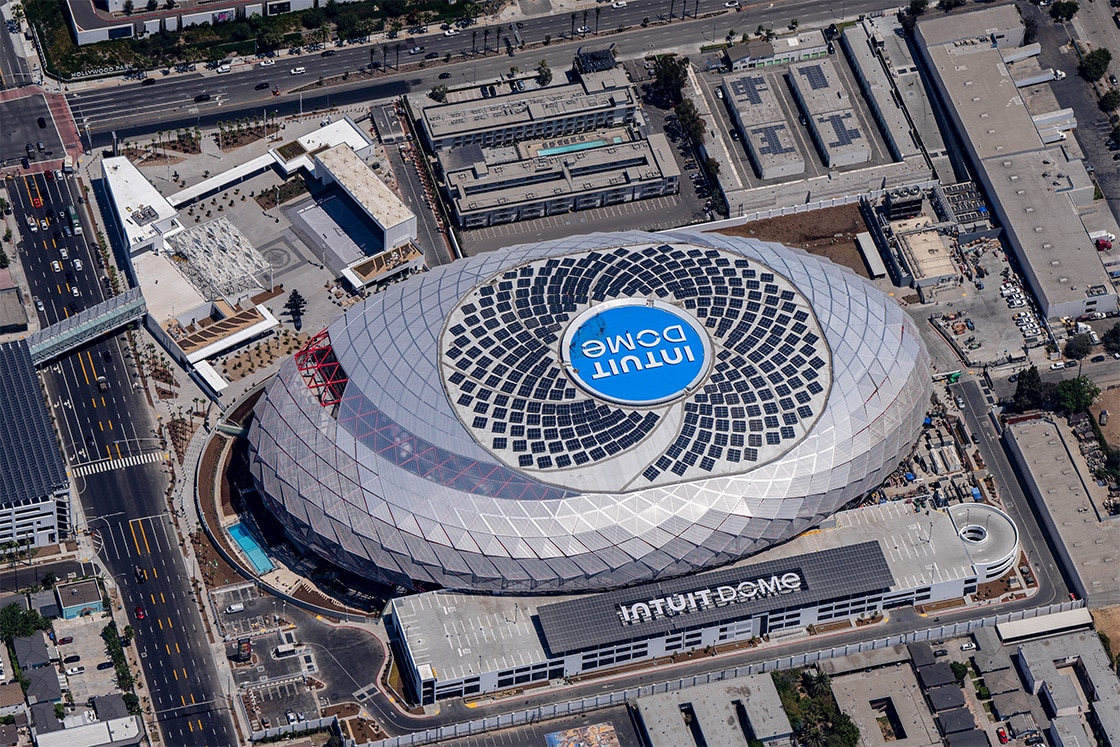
636	351
684	603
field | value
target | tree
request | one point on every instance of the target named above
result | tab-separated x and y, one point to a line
394	8
917	7
152	5
1111	339
598	11
1095	64
1075	395
670	73
1079	346
845	730
544	73
1063	10
128	7
690	121
1110	100
960	670
1031	392
951	5
439	93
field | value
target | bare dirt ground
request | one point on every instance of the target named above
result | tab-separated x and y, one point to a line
1109	400
1107	621
828	233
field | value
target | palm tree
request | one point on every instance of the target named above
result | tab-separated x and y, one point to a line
474	41
397	49
598	12
585	17
485	40
385	56
573	24
498	40
813	738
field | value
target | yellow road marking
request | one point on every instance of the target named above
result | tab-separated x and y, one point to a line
135	541
161	598
110	425
168	652
155	572
183	698
179	652
121	457
192	698
102	426
160	623
94	401
176	673
142	532
103	402
185	673
91	366
200	724
85	375
153	596
169	623
109	453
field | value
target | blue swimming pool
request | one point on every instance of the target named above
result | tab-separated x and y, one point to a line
572	148
251	548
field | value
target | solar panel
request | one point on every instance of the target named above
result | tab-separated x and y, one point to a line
814	76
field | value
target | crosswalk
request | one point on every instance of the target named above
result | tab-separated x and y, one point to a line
104	465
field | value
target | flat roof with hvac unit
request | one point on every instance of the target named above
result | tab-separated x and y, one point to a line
350	172
770	143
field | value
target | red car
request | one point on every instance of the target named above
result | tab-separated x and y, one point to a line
1002	734
36	202
139	613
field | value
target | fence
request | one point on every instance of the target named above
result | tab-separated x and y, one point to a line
821	204
316	724
597	702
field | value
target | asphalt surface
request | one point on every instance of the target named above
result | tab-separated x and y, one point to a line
108	439
14	71
1034	541
132	109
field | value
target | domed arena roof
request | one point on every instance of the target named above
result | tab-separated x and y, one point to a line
589	413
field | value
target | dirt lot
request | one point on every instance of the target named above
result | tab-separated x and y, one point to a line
1109	400
829	233
1107	621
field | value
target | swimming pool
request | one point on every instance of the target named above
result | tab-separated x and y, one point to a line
251	548
574	147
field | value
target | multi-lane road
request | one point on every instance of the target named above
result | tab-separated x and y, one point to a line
132	110
112	447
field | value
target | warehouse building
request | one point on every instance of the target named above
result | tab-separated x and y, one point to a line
759	117
832	120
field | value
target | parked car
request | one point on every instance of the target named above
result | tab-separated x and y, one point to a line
104	665
1002	734
73	659
75	670
970	646
65	640
941	652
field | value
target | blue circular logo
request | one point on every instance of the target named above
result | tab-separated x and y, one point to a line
636	351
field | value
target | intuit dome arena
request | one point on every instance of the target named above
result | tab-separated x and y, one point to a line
589	413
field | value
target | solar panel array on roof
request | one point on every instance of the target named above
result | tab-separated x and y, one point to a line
770	143
814	76
593	621
747	87
30	463
844	135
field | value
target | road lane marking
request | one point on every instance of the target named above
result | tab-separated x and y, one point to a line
144	534
119	455
102	426
104	465
159	621
91	366
84	374
108	451
132	527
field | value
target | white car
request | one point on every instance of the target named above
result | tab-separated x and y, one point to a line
452	32
1057	366
583	29
78	265
298	70
38	303
56	266
74	291
618	4
416	50
75	670
63	251
731	4
267	63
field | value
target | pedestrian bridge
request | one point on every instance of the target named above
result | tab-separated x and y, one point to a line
78	329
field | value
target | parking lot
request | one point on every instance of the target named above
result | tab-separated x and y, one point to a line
273	659
269	705
241	612
85	650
